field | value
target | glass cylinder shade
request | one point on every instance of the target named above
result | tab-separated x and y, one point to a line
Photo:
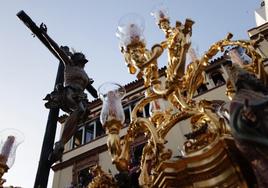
130	29
160	12
111	95
9	141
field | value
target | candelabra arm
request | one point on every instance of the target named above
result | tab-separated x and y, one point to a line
156	52
209	110
141	104
167	125
119	150
113	141
159	91
196	79
147	125
122	160
179	98
256	66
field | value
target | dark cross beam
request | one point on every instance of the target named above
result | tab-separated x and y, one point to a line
44	166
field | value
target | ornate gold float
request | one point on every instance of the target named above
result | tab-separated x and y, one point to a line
211	157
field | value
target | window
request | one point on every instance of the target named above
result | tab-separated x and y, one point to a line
89	132
202	89
84	178
137	153
70	144
147	110
243	55
81	176
135	165
139	113
99	129
78	138
217	78
184	93
127	115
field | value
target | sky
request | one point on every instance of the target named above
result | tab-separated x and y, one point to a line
28	69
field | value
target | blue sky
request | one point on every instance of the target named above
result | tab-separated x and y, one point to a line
28	69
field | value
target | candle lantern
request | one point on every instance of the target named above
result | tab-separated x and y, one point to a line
9	141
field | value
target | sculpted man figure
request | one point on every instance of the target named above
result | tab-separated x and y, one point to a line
71	97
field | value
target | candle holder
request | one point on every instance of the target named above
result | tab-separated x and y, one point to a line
9	141
112	118
209	120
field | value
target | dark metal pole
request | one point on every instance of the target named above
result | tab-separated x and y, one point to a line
44	166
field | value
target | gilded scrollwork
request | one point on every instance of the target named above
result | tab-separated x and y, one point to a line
101	179
206	117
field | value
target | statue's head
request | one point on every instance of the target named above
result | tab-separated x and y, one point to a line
137	53
79	59
164	24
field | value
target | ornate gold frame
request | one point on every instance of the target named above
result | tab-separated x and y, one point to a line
201	112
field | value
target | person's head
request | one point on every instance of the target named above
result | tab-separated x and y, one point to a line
79	59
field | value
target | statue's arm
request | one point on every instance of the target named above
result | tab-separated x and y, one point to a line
92	90
41	34
58	51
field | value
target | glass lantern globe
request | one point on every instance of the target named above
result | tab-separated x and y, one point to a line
159	13
130	29
9	141
111	95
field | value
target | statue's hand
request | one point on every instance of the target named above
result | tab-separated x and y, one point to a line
43	27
